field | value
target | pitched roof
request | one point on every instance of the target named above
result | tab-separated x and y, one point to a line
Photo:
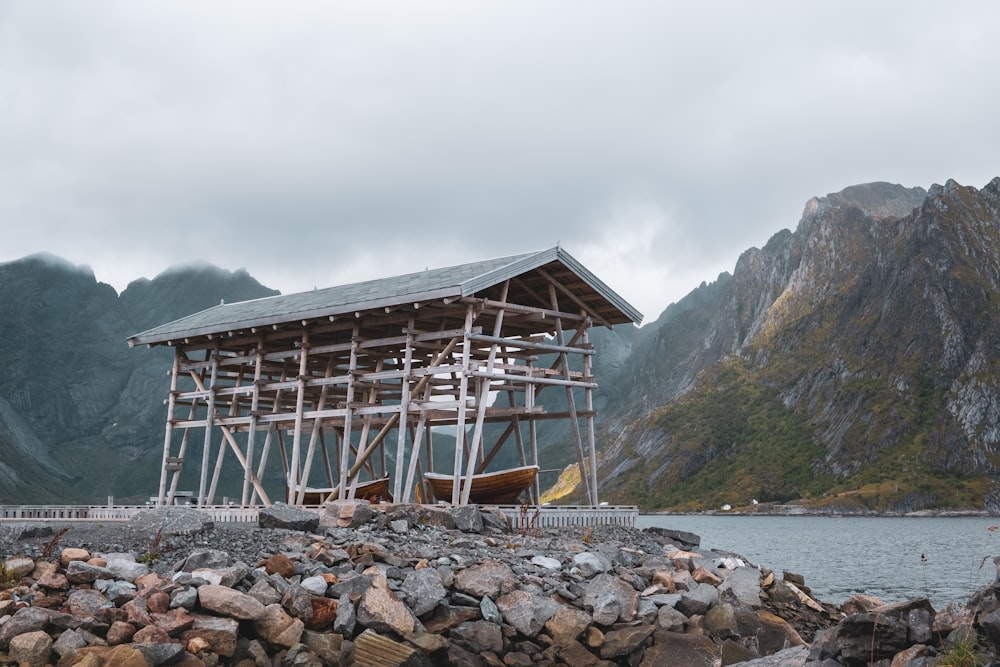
454	281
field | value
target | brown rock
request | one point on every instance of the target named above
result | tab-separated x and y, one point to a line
567	624
220	633
576	654
857	604
489	578
138	614
31	648
18	567
125	656
54	581
120	633
324	613
594	638
150	581
197	645
174	621
278	627
445	618
676	649
229	602
381	610
152	635
625	640
525	612
664	580
158	601
280	564
703	576
84	602
70	554
908	656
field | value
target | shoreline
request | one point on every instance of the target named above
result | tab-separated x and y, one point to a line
442	586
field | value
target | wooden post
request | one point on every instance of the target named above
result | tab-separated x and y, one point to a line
591	439
252	431
345	446
213	355
404	409
463	394
294	471
171	401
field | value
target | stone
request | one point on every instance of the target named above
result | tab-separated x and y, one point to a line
315	585
525	612
70	554
697	600
468	518
704	576
158	653
278	627
157	601
83	602
590	563
478	636
346	619
576	654
422	515
487	578
324	613
297	601
672	648
375	650
120	633
624	641
424	590
174	621
347	513
229	602
742	587
226	576
151	634
299	655
125	656
56	581
169	522
607	593
720	622
28	619
184	598
326	645
82	572
446	617
546	562
488	608
212	559
381	610
399	526
17	567
126	568
31	648
265	592
220	633
567	624
288	517
68	642
280	564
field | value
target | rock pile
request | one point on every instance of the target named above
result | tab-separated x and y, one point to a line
418	585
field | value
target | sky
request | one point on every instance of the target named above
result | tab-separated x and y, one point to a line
322	143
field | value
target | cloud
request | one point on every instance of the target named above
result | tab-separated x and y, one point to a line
318	143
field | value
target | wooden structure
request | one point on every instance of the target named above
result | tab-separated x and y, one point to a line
351	383
502	487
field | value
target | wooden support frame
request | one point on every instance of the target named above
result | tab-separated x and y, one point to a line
341	396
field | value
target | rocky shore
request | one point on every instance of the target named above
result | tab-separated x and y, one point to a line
418	585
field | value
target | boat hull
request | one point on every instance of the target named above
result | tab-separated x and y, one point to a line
503	487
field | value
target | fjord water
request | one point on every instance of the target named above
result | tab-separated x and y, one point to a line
842	556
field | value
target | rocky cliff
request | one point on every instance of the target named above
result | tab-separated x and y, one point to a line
81	416
852	363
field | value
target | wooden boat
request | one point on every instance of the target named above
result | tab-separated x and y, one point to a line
374	491
503	487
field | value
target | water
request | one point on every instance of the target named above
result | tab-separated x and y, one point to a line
840	557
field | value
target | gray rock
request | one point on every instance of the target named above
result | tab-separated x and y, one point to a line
186	598
742	587
424	590
479	636
125	567
157	654
80	572
490	611
347	513
720	621
546	562
31	648
68	642
229	602
347	618
488	578
172	521
278	627
29	619
226	576
316	585
211	559
697	600
590	563
288	517
297	601
468	518
525	612
624	641
790	657
604	592
669	618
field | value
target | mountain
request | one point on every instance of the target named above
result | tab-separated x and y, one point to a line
81	415
851	363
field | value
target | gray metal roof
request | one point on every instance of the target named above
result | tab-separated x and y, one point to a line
453	281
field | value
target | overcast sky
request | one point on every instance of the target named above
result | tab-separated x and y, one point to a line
319	143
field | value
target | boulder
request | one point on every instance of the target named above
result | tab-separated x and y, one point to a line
219	633
488	578
672	648
204	559
229	602
742	587
28	619
525	612
31	648
381	610
468	518
607	593
624	641
424	590
347	513
590	563
278	627
567	624
478	636
288	517
169	521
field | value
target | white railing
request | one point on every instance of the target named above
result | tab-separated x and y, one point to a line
563	516
521	517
